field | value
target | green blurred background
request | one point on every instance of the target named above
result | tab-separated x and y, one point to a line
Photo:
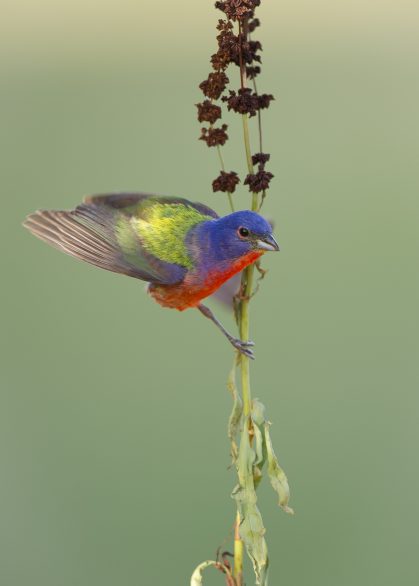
113	411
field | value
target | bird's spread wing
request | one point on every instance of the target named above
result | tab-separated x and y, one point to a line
139	235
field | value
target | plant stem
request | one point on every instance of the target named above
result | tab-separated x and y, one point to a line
260	138
246	138
220	156
243	318
247	278
238	553
247	285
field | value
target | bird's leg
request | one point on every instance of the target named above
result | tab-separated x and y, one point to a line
240	345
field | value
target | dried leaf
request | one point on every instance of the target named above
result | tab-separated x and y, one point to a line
258	445
252	530
258	412
277	476
258	417
236	413
196	578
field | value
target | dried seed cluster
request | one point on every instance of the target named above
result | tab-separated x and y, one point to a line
214	136
208	112
238	9
226	182
240	50
259	181
247	102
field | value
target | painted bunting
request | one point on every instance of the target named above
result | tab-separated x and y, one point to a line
184	250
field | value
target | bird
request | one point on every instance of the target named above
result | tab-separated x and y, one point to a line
184	250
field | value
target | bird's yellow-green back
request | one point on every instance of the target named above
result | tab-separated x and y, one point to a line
162	225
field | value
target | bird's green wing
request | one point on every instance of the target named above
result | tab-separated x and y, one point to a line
138	235
161	223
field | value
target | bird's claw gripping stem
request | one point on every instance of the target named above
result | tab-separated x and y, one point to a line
243	347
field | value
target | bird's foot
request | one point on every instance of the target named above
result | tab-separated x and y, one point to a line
243	347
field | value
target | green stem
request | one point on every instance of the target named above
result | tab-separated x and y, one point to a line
246	288
249	162
243	312
260	138
238	553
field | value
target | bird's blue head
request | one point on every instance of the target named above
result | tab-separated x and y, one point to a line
239	233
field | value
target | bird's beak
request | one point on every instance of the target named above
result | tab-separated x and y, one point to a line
268	242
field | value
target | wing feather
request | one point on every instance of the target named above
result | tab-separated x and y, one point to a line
106	231
88	233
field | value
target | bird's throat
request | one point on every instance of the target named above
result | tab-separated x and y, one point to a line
235	267
191	291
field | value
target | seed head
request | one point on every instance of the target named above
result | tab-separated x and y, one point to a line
214	136
208	112
261	159
252	71
265	100
253	24
238	9
259	181
214	85
226	182
243	102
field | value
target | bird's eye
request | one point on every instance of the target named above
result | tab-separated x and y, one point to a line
243	232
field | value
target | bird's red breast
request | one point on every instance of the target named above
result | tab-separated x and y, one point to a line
191	291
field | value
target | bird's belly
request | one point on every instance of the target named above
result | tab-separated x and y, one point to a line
194	288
